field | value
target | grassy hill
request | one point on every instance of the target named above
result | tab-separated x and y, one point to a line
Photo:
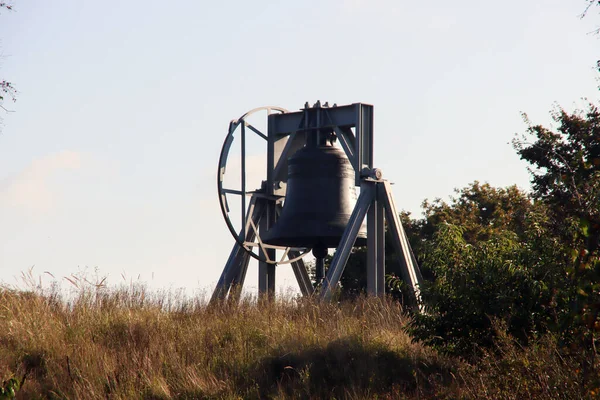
127	343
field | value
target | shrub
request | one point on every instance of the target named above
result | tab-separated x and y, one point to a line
475	283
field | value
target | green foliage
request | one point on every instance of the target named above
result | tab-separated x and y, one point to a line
480	210
566	165
476	284
566	177
9	389
494	254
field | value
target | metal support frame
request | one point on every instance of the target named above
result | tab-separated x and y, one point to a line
411	274
376	248
353	126
357	145
374	201
306	287
234	272
262	212
266	271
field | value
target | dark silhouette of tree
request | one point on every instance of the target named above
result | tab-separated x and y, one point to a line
565	166
592	4
565	169
6	89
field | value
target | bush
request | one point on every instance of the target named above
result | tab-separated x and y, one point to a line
476	283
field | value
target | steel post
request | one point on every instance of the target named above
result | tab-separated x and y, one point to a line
380	246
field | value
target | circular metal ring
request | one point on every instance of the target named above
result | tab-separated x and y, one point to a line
249	230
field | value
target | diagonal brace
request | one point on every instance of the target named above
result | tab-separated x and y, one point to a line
367	195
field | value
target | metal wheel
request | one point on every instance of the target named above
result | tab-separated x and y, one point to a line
246	233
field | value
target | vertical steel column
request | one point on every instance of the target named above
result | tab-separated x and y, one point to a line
319	270
271	212
243	172
380	246
376	248
266	270
372	252
263	274
271	277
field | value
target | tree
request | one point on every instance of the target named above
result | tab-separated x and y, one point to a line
565	166
488	257
501	278
481	211
565	169
6	89
590	5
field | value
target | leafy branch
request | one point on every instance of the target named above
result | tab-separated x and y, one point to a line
7	88
590	4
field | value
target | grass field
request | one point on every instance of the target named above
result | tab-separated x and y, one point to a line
127	343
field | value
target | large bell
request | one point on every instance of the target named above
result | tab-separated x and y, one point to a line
319	200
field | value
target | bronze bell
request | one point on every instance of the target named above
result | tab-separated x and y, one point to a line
319	201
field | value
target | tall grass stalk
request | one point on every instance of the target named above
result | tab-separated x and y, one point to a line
130	343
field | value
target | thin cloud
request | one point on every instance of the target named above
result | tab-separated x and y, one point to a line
31	190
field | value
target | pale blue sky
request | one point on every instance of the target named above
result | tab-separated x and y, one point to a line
110	158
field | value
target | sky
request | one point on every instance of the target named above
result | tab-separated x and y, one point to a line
108	162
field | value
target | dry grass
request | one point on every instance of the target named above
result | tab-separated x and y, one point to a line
129	344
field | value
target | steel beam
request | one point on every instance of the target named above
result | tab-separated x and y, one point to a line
301	274
235	291
263	273
294	121
372	249
229	272
364	138
411	275
375	248
347	141
380	247
237	263
358	116
367	194
266	271
271	268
